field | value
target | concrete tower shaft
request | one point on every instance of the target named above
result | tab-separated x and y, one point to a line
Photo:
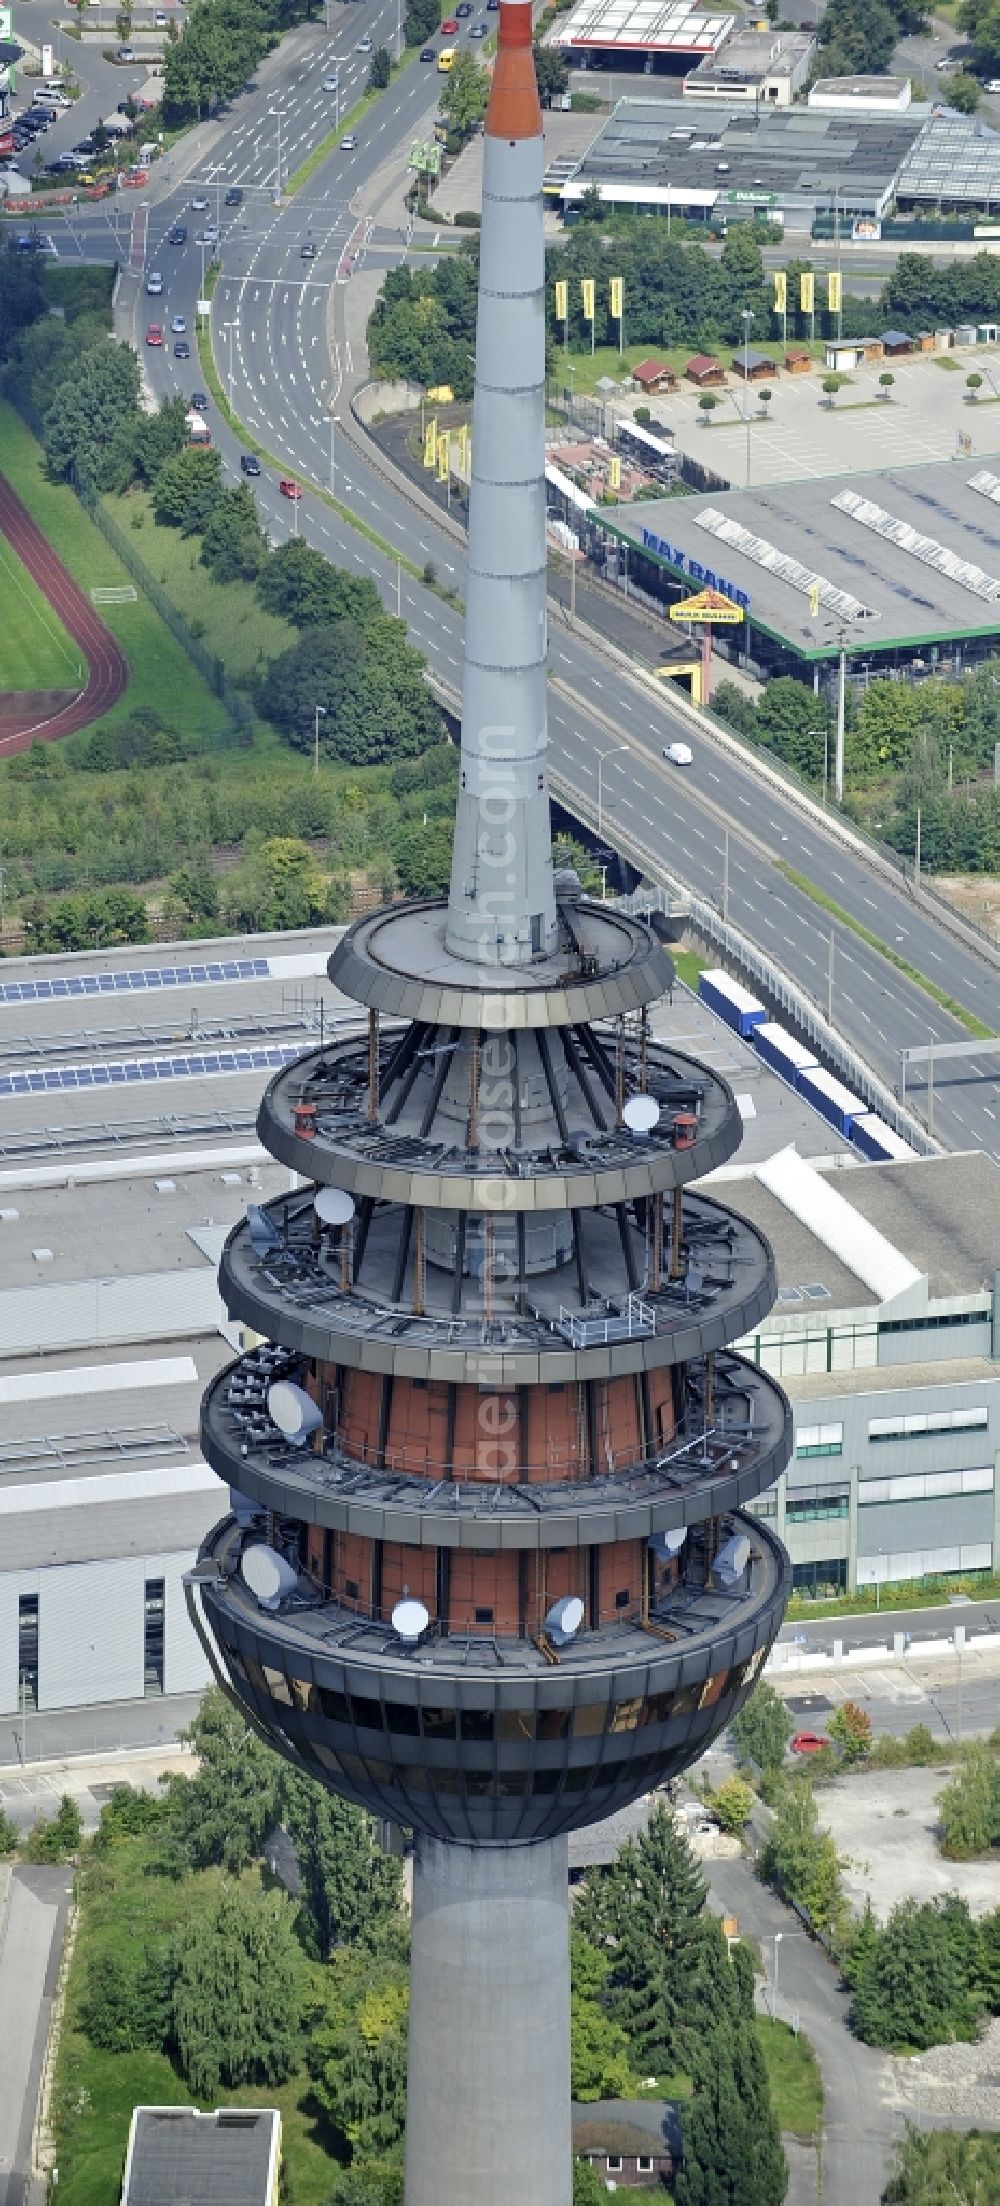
502	906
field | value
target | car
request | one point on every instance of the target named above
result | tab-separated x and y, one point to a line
249	463
25	242
178	326
127	106
492	6
332	84
449	26
160	20
464	10
154	334
349	144
992	84
182	350
209	235
679	754
200	205
178	235
480	30
86	149
309	250
428	53
809	1742
154	284
234	196
290	489
364	45
125	53
199	400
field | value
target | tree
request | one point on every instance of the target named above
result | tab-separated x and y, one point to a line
58	1837
801	1860
645	1914
194	891
236	1999
159	437
351	1889
379	70
588	2190
422	857
222	44
88	429
765	396
464	95
969	1805
707	404
830	385
9	1835
733	1804
600	2067
127	2005
791	721
937	2168
357	2048
912	1983
732	2146
850	1728
973	384
302	586
552	72
223	1814
857	39
278	885
763	1728
187	489
370	686
233	544
885	383
22	293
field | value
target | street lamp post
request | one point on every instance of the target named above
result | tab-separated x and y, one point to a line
825	733
319	713
614	752
747	319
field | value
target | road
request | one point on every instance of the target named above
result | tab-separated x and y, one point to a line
32	1928
289	340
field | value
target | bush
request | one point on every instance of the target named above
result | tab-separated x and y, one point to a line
468	219
56	1839
9	1834
733	1805
969	1807
127	2003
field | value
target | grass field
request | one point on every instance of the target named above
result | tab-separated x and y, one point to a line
226	614
35	650
161	675
95	2092
793	2075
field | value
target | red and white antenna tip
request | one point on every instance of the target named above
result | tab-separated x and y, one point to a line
514	109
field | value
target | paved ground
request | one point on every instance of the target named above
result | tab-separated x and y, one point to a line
107	666
885	1824
32	1928
112	1729
88	1782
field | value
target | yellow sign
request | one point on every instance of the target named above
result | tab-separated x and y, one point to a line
834	290
780	291
463	448
813	600
807	292
431	444
562	301
615	473
617	298
587	288
442	395
444	457
709	605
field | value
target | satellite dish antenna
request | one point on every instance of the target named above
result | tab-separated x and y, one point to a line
410	1620
668	1544
564	1619
731	1561
334	1206
641	1113
269	1576
293	1411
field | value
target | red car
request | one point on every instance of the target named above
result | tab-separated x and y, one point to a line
809	1742
449	26
289	489
154	334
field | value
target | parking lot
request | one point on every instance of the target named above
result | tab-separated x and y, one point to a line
804	437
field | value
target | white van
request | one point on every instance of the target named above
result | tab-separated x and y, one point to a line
679	754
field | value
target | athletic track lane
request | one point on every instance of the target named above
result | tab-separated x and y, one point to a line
107	666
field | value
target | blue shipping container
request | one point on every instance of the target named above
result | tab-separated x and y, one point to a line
834	1102
782	1052
733	1003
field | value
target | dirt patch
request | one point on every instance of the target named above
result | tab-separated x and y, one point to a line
884	1825
975	895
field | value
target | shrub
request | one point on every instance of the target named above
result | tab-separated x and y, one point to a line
467	219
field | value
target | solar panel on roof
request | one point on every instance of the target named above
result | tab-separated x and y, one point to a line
66	1077
171	976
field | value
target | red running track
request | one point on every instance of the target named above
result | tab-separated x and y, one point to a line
107	666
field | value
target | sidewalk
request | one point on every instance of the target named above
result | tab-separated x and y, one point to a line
111	1729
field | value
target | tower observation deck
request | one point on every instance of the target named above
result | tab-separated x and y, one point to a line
487	1569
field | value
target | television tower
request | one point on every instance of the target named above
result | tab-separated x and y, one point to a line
487	1569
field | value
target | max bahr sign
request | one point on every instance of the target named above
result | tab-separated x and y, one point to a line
693	567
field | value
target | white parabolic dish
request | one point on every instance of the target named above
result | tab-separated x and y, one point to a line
334	1206
293	1410
409	1619
267	1574
641	1113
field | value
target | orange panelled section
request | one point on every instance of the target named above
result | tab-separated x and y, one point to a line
555	1434
352	1566
487	1436
408	1570
619	1425
314	1551
360	1407
620	1569
483	1582
661	1395
417	1438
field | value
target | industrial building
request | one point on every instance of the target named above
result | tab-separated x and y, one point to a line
903	566
754	66
649	35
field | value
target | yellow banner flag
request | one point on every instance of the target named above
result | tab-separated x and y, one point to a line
780	291
463	448
615	473
587	288
834	291
562	301
444	457
431	444
807	292
617	298
813	600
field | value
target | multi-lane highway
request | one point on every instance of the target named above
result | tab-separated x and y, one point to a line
288	340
